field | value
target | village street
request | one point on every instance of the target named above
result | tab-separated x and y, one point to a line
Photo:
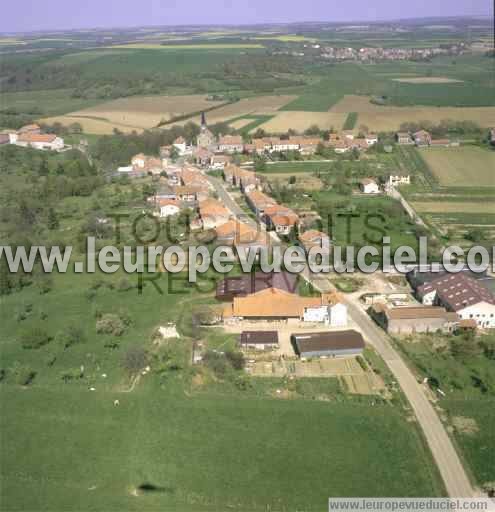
448	461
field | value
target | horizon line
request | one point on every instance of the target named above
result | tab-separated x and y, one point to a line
256	24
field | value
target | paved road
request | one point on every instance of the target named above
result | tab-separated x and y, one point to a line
230	203
444	453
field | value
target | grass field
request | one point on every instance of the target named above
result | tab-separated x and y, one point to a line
192	46
49	103
453	207
202	451
462	167
468	407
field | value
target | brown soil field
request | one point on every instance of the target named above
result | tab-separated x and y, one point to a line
427	80
462	167
136	113
300	121
379	118
93	126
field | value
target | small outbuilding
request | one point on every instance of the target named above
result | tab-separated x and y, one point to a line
328	344
259	340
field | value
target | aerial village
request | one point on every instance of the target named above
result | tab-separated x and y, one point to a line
276	323
267	310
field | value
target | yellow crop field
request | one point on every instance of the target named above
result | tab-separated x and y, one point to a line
300	121
136	113
427	80
463	167
379	118
256	105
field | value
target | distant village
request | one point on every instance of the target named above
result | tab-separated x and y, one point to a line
371	54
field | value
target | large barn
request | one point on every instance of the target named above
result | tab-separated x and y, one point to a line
328	344
248	284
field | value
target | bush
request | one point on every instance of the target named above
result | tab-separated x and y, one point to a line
216	362
25	376
124	285
72	374
35	338
236	360
71	335
110	324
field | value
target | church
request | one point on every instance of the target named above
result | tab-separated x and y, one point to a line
205	139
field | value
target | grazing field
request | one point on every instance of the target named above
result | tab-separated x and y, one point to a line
452	207
192	46
301	121
462	167
426	80
135	113
389	118
50	102
274	454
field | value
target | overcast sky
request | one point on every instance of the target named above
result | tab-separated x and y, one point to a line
30	15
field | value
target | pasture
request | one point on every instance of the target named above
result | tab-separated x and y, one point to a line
72	449
461	167
192	46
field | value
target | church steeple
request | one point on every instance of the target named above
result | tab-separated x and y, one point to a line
203	120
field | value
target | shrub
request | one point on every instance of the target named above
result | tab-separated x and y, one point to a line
110	324
236	360
71	335
72	374
25	376
216	362
34	338
124	285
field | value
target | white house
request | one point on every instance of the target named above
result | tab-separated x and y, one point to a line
338	315
180	145
139	161
40	141
371	139
369	186
167	208
394	180
333	316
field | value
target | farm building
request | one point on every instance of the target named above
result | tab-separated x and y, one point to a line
404	138
272	304
248	284
328	344
369	186
462	294
259	340
415	319
394	180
